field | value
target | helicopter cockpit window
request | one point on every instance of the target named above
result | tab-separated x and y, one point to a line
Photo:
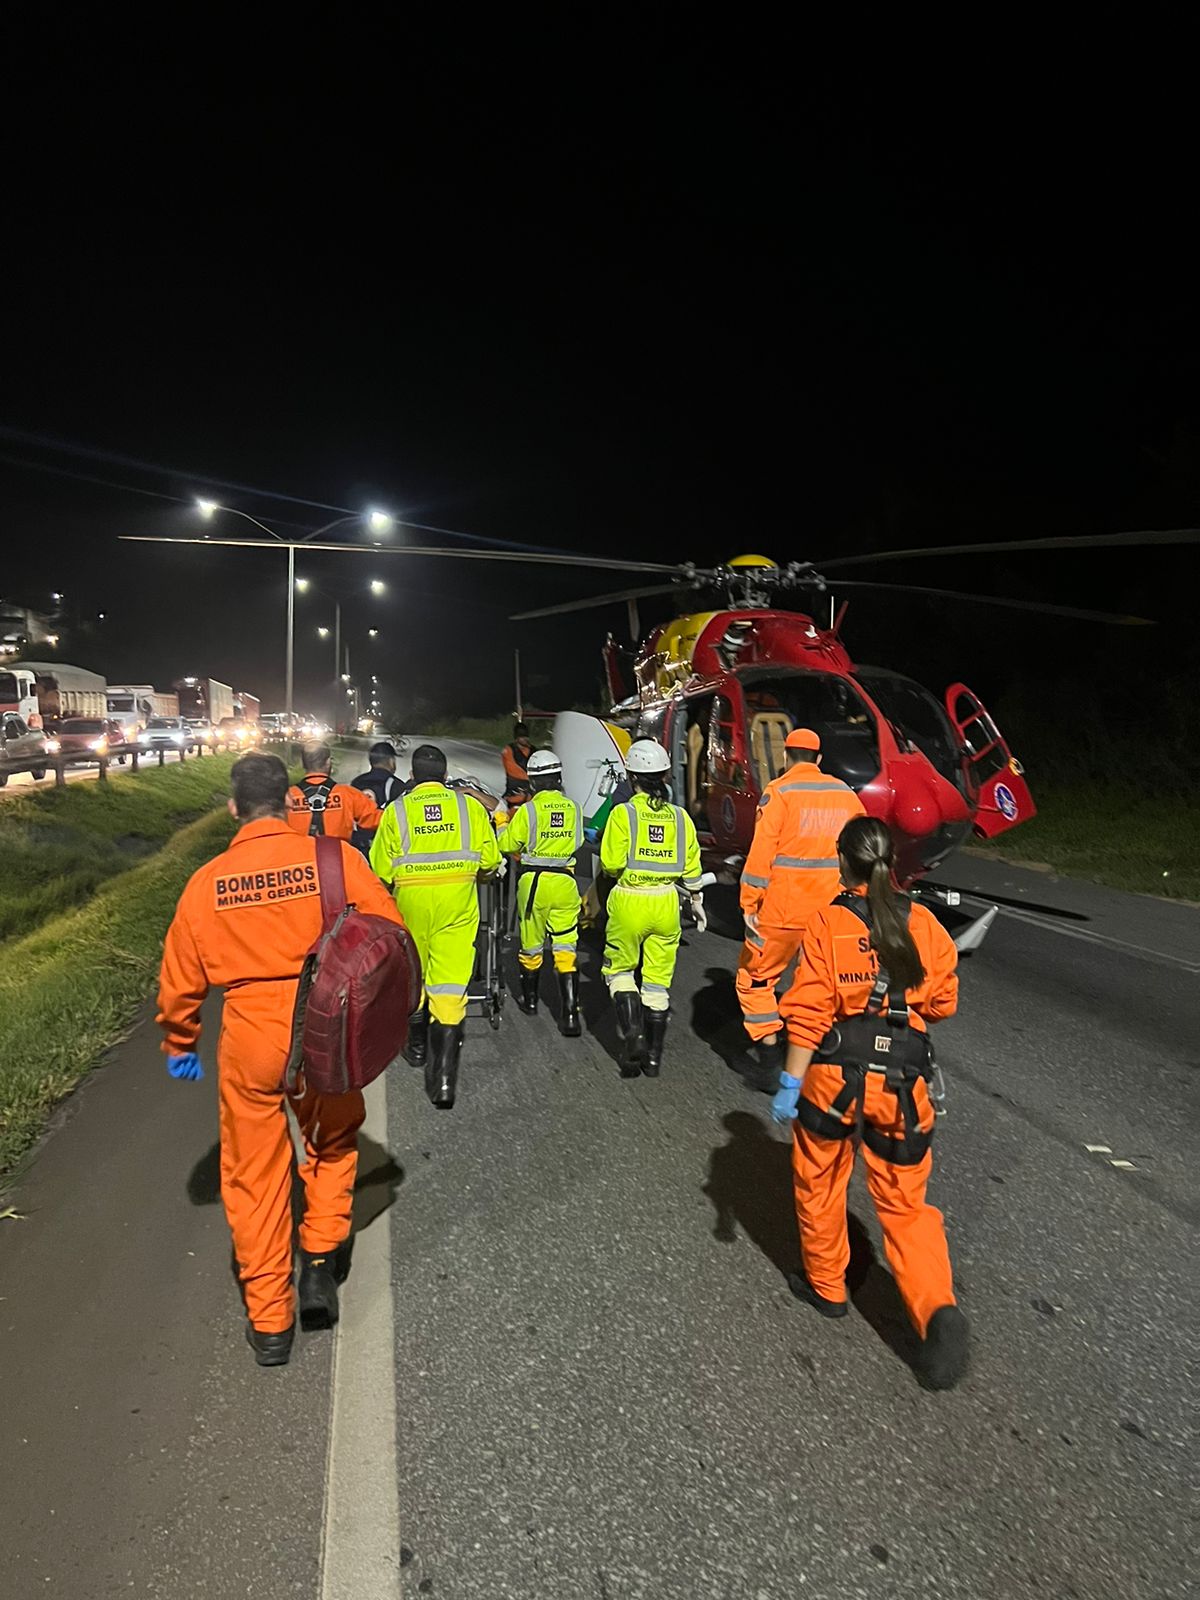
825	702
917	716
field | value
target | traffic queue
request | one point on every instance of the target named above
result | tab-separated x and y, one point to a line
849	1032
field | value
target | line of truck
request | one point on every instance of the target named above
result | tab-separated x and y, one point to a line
44	693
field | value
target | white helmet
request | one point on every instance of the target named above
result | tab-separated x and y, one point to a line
647	755
544	764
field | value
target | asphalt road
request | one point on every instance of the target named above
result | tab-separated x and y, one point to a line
602	1388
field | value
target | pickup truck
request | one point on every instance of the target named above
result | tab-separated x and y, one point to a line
22	748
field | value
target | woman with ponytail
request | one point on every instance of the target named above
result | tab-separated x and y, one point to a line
857	1073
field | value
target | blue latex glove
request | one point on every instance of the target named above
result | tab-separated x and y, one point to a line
187	1067
592	835
787	1098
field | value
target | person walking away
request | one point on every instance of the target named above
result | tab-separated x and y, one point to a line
245	923
380	783
516	767
649	846
317	805
545	834
380	780
431	846
874	971
791	871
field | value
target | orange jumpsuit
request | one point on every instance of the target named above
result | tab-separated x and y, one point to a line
347	808
244	922
836	973
790	872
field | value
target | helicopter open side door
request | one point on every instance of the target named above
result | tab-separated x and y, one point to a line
991	768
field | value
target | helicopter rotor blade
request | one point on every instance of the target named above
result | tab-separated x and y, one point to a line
1083	541
621	596
1075	613
378	548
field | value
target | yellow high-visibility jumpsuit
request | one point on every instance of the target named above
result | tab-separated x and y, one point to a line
648	850
546	832
431	845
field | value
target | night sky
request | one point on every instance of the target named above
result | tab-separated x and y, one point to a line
618	287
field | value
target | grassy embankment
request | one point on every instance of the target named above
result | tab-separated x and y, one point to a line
1110	834
89	878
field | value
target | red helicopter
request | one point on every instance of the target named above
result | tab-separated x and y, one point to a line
722	688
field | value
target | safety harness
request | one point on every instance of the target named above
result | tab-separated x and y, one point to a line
880	1039
316	798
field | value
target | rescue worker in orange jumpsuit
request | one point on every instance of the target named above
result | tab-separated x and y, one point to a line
790	873
244	923
875	969
317	805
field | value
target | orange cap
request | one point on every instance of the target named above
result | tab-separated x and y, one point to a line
802	739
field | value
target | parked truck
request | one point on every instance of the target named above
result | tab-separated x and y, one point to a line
133	704
204	699
63	691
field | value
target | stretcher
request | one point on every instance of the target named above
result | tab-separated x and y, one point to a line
485	991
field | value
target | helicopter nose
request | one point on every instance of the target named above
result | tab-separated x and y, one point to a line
922	799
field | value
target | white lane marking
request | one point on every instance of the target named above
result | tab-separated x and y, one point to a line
1105	939
360	1548
1125	1166
1098	1149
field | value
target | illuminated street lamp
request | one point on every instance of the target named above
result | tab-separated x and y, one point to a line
380	522
372	633
378	586
322	633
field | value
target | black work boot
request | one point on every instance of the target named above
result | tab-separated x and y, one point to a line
417	1048
529	991
271	1349
944	1352
768	1057
318	1290
441	1069
628	1004
803	1290
656	1035
568	992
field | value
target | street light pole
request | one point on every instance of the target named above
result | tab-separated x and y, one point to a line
291	627
337	643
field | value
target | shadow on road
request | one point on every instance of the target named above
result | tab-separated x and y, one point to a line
750	1186
717	1022
379	1176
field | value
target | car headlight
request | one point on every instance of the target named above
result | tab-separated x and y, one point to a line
52	747
97	744
144	738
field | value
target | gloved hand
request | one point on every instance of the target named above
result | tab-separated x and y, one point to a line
187	1067
698	911
787	1098
592	835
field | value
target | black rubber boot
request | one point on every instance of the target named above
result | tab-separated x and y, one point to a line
656	1036
628	1004
441	1070
568	992
529	991
944	1352
318	1290
417	1048
271	1349
803	1290
767	1058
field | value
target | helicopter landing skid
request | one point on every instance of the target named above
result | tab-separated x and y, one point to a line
967	932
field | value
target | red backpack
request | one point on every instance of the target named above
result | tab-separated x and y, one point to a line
360	984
